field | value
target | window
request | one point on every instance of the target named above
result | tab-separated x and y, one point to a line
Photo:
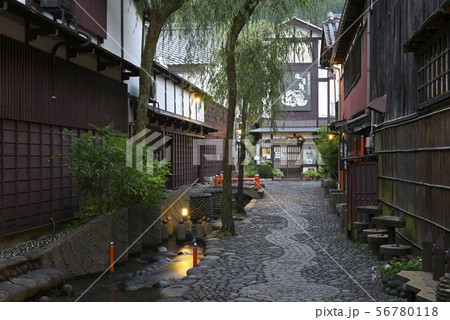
352	67
433	69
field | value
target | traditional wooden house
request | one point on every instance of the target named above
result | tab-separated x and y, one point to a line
68	64
395	111
308	104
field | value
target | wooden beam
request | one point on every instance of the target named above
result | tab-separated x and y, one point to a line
102	65
127	75
33	34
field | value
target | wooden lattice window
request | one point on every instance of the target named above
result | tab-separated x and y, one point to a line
433	69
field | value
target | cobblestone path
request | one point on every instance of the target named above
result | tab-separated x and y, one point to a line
290	249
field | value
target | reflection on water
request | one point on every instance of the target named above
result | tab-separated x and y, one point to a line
140	279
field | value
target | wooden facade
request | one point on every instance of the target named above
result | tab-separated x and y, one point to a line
34	189
41	95
408	62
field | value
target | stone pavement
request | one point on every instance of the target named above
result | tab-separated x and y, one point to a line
290	249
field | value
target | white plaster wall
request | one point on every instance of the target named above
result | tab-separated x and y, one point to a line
186	103
179	100
160	92
132	39
201	111
323	99
193	107
112	41
170	96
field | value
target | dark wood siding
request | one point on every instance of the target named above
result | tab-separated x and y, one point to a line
93	17
82	96
33	188
414	176
393	71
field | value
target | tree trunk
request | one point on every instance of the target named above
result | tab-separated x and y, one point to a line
158	16
240	195
239	22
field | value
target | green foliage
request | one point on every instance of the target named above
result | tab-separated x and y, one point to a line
396	265
322	9
265	171
103	181
277	173
328	149
310	174
251	169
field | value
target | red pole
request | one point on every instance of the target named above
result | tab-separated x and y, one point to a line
195	255
217	181
257	182
362	145
111	258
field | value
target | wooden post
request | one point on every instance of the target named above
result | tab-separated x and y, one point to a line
438	259
427	252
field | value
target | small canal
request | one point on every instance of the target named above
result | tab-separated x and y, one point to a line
140	280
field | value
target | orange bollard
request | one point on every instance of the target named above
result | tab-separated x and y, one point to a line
216	181
362	145
194	255
111	258
257	185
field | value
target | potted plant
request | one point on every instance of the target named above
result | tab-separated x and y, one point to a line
277	174
309	175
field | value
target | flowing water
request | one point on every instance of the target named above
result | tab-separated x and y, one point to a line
140	279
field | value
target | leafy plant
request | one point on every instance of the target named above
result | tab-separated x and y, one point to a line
103	181
277	173
309	174
328	149
265	171
251	169
396	265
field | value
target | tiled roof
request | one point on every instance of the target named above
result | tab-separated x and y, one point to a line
173	48
330	28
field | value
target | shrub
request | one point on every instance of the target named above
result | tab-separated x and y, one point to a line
251	169
102	179
309	174
329	149
277	173
265	171
396	265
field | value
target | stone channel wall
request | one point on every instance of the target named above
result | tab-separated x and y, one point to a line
85	250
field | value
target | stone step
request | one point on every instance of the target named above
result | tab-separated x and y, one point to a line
25	286
14	266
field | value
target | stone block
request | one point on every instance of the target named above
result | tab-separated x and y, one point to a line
336	198
32	287
152	218
327	185
10	292
83	251
135	214
119	235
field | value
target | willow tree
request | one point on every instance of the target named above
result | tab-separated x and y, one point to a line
226	26
158	13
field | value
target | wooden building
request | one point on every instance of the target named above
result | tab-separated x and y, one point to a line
61	69
307	104
395	61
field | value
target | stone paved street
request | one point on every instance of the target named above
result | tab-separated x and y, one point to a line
290	252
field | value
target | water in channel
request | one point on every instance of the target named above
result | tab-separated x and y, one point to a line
140	279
